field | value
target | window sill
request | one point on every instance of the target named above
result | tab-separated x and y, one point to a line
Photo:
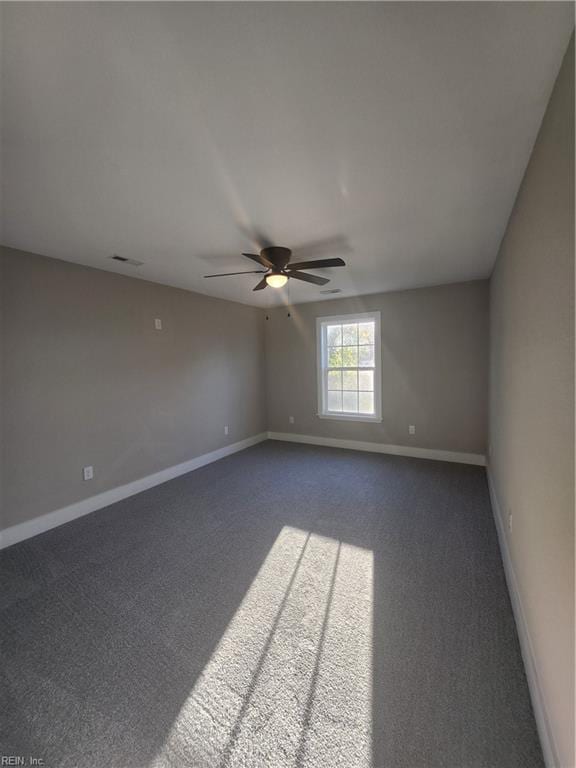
349	417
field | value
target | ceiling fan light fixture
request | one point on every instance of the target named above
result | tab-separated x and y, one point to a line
276	280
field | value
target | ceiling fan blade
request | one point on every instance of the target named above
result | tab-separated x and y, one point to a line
308	278
250	272
260	259
321	263
261	285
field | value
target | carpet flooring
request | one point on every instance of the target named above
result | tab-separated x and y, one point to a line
286	606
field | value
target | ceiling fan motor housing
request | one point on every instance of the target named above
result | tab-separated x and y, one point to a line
277	255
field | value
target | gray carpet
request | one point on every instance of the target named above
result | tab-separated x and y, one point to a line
286	606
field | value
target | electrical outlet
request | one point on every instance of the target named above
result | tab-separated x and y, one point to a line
158	324
510	520
291	419
226	430
88	473
411	429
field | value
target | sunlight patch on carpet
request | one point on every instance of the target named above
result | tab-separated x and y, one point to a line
290	682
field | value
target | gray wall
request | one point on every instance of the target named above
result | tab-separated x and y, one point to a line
88	380
532	402
434	368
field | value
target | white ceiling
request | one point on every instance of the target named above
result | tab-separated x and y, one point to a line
164	132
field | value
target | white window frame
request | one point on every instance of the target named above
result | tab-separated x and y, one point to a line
322	366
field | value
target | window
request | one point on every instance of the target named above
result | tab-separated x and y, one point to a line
349	384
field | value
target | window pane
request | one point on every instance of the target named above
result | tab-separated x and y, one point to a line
334	401
334	379
350	334
350	380
366	381
366	333
366	402
350	402
366	355
349	357
334	357
334	335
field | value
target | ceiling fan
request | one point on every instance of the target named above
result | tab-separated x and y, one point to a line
278	269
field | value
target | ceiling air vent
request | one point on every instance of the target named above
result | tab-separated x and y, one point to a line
125	260
332	290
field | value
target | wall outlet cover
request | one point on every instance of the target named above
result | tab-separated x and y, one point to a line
88	473
158	324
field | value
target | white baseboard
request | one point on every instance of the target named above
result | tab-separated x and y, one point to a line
538	705
396	450
58	517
